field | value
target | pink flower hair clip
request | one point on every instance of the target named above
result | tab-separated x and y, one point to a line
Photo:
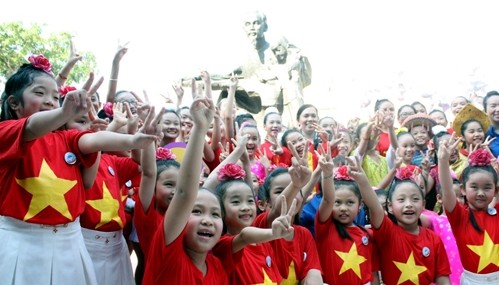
108	109
409	172
39	61
480	157
341	173
65	90
231	171
164	154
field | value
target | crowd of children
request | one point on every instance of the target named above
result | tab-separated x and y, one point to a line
85	184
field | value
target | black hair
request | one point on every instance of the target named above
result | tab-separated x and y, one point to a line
264	190
285	135
415	103
328	117
302	108
241	118
354	187
378	103
394	186
465	176
162	165
405	106
486	98
15	86
222	187
464	126
268	114
436	144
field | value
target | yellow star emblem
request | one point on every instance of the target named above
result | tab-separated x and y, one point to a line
107	206
351	260
488	252
266	279
409	270
47	190
291	280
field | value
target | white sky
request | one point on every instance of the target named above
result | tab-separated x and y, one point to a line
356	48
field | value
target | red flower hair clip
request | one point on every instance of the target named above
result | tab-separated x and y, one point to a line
164	154
108	109
480	157
39	61
231	171
341	173
409	172
65	90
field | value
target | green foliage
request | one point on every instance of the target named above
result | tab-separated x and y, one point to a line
17	42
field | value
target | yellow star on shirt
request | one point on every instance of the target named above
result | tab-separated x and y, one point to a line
351	260
409	270
291	280
107	206
47	190
488	252
266	279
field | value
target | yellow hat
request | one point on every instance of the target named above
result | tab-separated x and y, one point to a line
470	112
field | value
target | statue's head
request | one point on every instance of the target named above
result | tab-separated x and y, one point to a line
255	25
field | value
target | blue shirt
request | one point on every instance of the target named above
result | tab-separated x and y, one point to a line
494	145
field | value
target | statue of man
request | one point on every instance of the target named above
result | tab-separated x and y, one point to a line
276	72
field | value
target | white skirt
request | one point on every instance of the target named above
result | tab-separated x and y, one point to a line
110	257
468	278
43	254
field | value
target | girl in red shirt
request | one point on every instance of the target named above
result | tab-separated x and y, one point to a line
44	178
476	224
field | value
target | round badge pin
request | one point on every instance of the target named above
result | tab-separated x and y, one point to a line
365	240
111	170
128	183
426	251
492	211
268	261
304	256
70	158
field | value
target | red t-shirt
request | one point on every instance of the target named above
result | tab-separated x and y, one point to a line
216	161
254	264
170	264
41	179
296	257
104	209
479	251
345	261
406	258
146	224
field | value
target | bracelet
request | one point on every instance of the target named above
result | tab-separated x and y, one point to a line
62	76
113	79
301	193
327	177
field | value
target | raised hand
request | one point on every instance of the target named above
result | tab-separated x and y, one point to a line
77	103
325	162
274	145
282	225
151	130
96	123
299	171
202	111
74	56
355	170
446	148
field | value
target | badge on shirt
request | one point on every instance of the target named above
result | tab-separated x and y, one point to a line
304	256
128	183
365	240
268	261
426	251
70	158
111	170
492	211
